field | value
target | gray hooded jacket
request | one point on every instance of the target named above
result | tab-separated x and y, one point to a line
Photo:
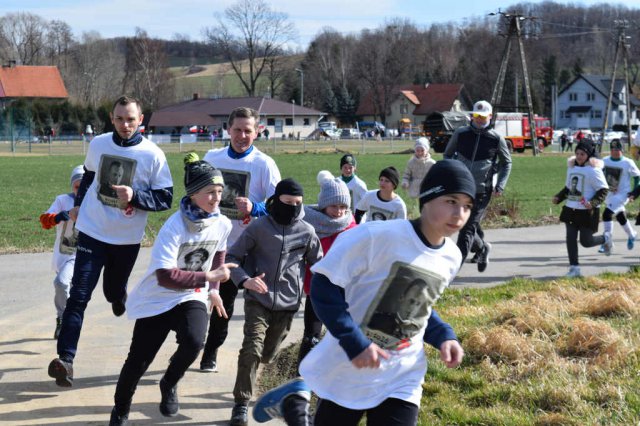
280	252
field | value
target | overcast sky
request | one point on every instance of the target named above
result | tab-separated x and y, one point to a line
163	18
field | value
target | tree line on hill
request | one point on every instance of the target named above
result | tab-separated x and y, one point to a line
562	41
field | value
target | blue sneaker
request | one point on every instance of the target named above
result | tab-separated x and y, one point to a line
269	405
631	242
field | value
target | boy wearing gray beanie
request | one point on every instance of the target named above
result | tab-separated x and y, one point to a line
375	291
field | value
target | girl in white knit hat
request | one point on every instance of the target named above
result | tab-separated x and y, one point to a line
417	167
330	217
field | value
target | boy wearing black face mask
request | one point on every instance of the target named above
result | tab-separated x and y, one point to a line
272	251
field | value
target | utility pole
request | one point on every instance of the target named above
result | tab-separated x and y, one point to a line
515	32
621	46
301	71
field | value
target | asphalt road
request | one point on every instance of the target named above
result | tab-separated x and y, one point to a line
27	318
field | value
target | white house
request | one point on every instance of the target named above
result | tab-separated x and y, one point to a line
583	102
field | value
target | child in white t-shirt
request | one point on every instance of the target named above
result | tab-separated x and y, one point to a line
619	171
64	248
417	167
173	294
374	291
383	203
585	189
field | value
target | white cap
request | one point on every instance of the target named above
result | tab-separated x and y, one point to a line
482	108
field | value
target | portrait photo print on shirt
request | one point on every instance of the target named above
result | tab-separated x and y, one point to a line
236	184
68	238
402	305
613	174
576	187
196	256
376	213
114	170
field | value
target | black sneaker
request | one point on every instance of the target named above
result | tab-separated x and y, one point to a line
62	371
483	257
118	420
56	333
474	259
208	367
239	415
169	403
118	307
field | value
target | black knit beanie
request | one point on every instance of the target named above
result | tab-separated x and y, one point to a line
198	174
288	186
392	174
348	159
588	147
446	177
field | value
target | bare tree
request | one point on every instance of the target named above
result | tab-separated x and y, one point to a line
95	71
383	62
59	42
22	37
250	36
146	70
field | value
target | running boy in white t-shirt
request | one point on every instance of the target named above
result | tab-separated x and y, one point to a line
357	187
173	294
374	291
64	249
383	203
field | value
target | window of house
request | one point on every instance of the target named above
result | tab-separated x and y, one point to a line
564	114
591	96
288	121
621	114
596	113
404	109
573	97
271	121
305	121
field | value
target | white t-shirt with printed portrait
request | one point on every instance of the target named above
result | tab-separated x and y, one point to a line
376	262
173	246
256	168
64	247
583	183
378	209
142	167
618	174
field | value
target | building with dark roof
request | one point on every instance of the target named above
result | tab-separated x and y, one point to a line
582	103
413	103
277	116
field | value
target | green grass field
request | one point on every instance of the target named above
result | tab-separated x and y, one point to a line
30	184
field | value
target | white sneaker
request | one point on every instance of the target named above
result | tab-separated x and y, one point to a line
608	243
574	271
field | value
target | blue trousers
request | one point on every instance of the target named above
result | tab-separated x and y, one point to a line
91	257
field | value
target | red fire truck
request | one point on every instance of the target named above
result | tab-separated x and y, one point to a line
514	127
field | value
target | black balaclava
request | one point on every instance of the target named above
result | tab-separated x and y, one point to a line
284	214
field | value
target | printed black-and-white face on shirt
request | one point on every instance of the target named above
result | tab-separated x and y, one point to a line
195	260
116	172
411	301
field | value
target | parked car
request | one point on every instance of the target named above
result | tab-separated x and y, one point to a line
612	135
349	133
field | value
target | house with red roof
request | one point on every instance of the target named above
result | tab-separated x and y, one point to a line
31	82
411	104
281	118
